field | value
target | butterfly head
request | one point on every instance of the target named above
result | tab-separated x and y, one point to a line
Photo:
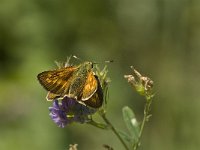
88	65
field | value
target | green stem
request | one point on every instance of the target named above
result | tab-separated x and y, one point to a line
145	118
114	130
98	125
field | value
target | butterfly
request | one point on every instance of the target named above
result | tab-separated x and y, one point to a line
77	82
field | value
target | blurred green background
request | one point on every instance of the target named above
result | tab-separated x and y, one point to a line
159	37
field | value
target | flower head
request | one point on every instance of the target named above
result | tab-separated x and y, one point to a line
142	84
68	111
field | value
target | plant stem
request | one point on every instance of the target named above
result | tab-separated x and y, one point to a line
98	125
145	118
114	130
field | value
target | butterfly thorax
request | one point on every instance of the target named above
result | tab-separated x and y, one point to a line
79	80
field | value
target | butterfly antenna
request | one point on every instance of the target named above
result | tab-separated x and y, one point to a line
107	61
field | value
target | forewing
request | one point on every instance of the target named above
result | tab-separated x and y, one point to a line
90	86
57	81
97	98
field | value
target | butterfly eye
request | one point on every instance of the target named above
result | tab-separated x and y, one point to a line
91	64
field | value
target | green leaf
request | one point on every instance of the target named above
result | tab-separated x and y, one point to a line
131	122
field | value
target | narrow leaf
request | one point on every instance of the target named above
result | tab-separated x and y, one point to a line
131	122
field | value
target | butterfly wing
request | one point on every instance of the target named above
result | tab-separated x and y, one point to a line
57	81
97	98
90	86
51	96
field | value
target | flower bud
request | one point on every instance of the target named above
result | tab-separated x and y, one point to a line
142	84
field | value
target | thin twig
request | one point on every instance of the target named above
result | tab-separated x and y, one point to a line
98	125
145	118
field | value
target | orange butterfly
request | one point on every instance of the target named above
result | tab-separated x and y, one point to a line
77	82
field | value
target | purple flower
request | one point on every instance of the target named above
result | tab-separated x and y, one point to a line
68	111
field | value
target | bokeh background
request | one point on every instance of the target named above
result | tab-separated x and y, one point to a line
159	37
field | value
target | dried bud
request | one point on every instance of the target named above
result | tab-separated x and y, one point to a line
63	64
142	84
73	146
